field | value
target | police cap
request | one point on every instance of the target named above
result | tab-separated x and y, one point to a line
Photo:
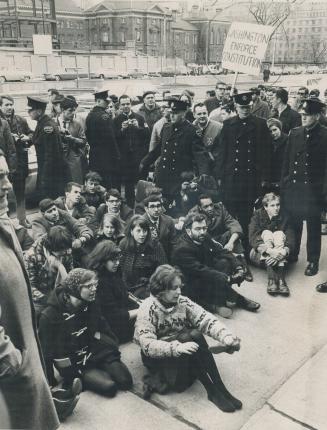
103	95
177	105
312	106
36	103
243	99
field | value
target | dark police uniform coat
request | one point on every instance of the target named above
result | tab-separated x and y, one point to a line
243	158
180	150
104	154
52	169
304	173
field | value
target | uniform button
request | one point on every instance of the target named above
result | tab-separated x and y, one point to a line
176	129
173	168
308	135
236	169
295	162
249	150
174	152
237	141
294	181
164	159
305	182
244	123
165	150
237	150
248	170
306	164
294	171
163	167
167	142
173	159
249	141
236	160
249	161
175	144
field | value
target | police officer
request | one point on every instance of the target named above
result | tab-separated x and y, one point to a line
243	161
104	154
52	171
180	150
304	179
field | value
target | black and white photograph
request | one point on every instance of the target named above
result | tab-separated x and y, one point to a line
163	214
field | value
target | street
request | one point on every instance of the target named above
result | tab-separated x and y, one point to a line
286	334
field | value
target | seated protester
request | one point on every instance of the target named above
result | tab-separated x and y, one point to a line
112	296
162	226
209	269
140	256
170	330
50	215
77	340
47	263
23	236
272	240
223	228
115	206
146	192
188	195
110	229
93	193
74	203
279	141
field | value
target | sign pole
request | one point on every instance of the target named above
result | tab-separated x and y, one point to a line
234	83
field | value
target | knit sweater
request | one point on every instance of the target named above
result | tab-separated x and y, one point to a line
156	326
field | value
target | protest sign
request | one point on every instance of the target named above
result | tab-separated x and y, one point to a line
245	47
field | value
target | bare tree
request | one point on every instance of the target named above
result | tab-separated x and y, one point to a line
273	13
318	49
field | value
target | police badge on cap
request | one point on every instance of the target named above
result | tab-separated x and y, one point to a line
177	105
312	106
243	99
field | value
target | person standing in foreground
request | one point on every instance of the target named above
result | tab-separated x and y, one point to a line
25	391
51	174
304	180
104	153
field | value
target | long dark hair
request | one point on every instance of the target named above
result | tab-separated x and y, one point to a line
129	241
103	251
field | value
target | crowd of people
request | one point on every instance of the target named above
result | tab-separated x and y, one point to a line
150	217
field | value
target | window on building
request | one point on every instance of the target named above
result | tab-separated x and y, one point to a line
122	36
105	36
195	39
138	20
138	35
155	37
187	55
123	20
212	37
187	39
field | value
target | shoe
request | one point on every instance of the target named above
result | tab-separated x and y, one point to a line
322	288
68	392
221	401
283	288
248	276
272	287
249	305
65	408
233	400
25	223
224	312
312	269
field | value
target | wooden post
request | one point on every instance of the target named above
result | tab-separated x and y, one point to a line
234	83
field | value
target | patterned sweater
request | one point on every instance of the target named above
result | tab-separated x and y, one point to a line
156	326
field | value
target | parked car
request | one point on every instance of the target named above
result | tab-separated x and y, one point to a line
15	75
168	72
154	74
67	74
276	70
312	69
106	74
136	74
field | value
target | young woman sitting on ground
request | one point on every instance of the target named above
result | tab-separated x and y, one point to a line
110	229
78	341
140	256
170	328
112	295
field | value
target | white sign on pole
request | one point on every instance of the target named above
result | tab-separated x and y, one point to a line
245	47
42	44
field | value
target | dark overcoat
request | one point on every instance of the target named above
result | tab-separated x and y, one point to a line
104	153
243	158
180	150
52	169
133	144
304	172
25	393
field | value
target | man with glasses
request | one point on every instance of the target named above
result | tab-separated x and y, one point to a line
162	226
115	206
132	136
220	98
156	131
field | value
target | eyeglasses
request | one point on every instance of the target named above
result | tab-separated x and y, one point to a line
221	88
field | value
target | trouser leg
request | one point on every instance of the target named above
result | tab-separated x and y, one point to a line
99	381
19	190
130	192
120	374
297	224
313	239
